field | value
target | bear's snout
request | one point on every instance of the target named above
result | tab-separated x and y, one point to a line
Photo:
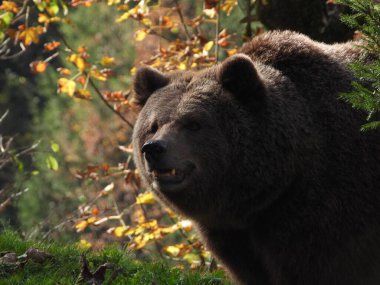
153	150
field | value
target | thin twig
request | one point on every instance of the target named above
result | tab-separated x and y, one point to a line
179	11
217	28
97	91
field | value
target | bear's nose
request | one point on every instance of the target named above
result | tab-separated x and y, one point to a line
153	149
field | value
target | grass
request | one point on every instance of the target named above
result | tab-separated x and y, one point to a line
65	267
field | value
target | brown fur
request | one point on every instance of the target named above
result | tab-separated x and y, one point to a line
282	184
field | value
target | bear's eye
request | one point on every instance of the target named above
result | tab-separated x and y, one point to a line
154	128
192	126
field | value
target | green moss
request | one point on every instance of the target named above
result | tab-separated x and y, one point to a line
65	267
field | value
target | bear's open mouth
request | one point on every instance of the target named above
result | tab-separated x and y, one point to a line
171	175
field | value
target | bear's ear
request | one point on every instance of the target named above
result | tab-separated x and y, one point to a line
146	81
239	76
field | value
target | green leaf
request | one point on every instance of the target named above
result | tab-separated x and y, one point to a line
52	163
54	146
7	18
35	172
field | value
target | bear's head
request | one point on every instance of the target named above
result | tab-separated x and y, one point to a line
193	140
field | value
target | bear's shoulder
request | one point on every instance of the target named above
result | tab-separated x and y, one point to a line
288	47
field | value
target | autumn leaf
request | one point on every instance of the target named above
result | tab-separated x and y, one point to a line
82	94
63	71
9	6
51	46
208	46
107	60
145	198
119	231
140	35
66	86
228	5
81	226
78	61
30	35
38	66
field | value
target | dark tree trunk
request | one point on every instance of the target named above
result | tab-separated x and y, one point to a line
314	18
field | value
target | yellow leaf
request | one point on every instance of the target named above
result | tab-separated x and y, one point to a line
31	35
145	198
133	71
182	66
84	244
208	45
231	52
82	94
78	61
147	22
66	86
107	60
140	35
228	6
81	226
98	75
119	231
91	220
172	250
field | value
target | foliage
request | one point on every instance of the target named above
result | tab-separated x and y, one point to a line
63	265
366	93
91	66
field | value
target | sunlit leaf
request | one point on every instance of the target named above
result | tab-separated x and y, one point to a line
98	75
63	71
119	231
78	61
51	46
95	211
82	94
84	244
81	226
208	46
54	146
107	60
9	6
145	198
140	35
52	163
66	86
228	5
211	13
6	19
166	22
91	220
38	66
30	35
231	52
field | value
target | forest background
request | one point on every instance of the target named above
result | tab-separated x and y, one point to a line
66	114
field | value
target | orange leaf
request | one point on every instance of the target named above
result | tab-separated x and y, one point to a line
9	6
95	211
51	46
38	66
63	71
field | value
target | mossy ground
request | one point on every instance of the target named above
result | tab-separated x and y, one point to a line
64	267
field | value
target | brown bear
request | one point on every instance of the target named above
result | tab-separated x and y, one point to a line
268	162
